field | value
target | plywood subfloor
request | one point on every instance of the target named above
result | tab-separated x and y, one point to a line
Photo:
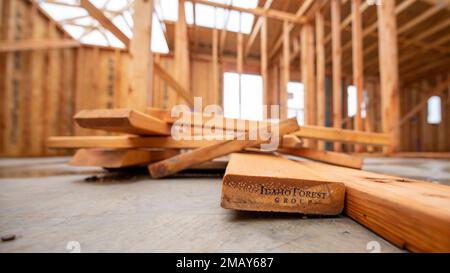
47	204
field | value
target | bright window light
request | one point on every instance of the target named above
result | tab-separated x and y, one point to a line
59	12
208	16
231	95
168	9
296	101
189	12
434	110
205	16
251	97
351	101
247	104
159	43
101	36
95	37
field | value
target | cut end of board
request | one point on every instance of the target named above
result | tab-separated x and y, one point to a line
275	184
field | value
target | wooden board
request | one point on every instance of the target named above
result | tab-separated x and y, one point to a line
411	214
123	121
306	131
118	158
130	142
342	135
339	159
269	183
207	153
205	120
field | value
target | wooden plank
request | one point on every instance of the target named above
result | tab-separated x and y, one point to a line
291	142
118	158
308	77
52	88
183	161
123	121
311	132
98	15
37	44
141	59
358	66
413	215
135	142
182	69
215	66
36	89
124	142
337	67
206	121
320	71
172	82
240	52
388	59
342	135
339	159
255	182
370	111
264	61
430	155
269	13
285	71
79	85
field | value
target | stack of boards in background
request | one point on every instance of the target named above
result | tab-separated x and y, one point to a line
411	214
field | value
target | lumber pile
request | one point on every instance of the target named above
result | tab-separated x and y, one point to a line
411	214
156	138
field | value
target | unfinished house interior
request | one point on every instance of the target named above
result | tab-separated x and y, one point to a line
225	126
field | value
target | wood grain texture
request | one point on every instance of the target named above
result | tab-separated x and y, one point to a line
411	214
339	159
342	135
130	142
118	158
123	121
269	183
207	153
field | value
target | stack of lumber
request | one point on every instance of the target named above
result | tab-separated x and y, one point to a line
144	137
411	214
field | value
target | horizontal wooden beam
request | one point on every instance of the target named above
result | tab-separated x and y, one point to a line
341	135
78	142
271	13
413	215
118	158
339	159
135	142
426	155
122	121
306	131
28	45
